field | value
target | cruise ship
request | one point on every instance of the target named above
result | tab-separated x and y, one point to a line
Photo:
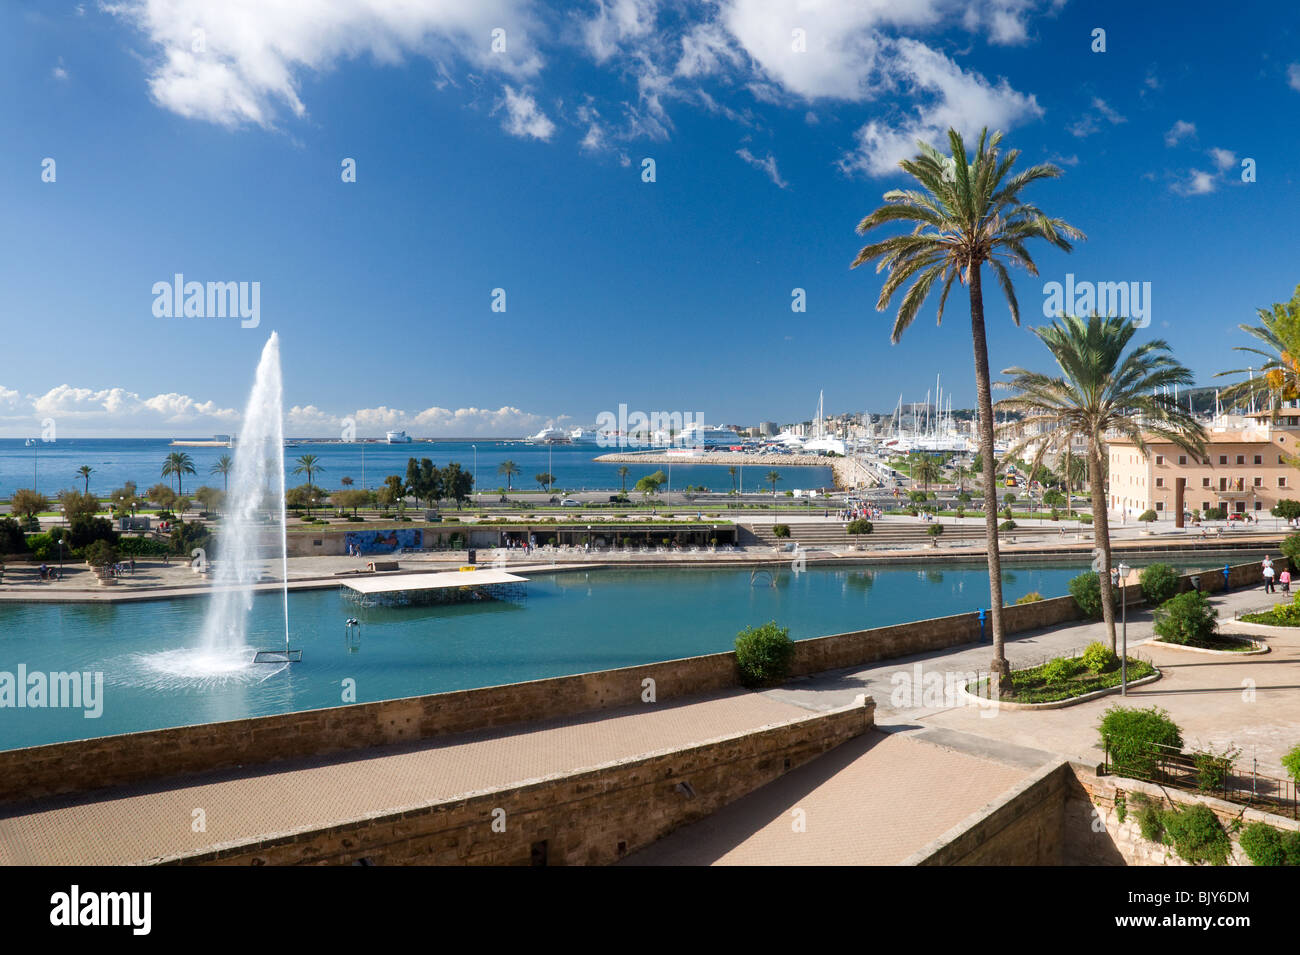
398	437
550	436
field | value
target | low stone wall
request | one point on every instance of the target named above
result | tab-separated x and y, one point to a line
39	771
1025	827
1097	836
1068	814
594	817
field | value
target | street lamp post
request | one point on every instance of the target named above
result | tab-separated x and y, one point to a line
476	501
1123	658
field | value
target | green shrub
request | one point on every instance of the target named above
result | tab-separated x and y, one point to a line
1159	582
1291	763
1100	658
763	654
1197	835
1148	516
1086	591
1061	670
1007	525
87	530
1085	518
141	547
934	530
781	530
1128	735
859	526
1213	769
1030	598
1056	515
1263	845
100	553
12	540
1187	619
1150	821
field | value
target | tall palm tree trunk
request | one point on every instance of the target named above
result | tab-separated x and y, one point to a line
1001	670
1067	477
1101	538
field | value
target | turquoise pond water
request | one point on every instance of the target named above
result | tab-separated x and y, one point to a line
568	623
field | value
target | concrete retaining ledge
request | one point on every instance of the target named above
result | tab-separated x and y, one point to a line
983	701
593	816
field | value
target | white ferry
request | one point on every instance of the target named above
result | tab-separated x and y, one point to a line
398	437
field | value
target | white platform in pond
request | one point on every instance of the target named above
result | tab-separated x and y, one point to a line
438	581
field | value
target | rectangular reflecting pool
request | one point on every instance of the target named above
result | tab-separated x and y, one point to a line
568	623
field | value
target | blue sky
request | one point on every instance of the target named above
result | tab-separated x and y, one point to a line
522	170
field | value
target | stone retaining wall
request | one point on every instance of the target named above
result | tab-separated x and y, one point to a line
593	817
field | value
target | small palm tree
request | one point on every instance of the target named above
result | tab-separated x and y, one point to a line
960	472
772	478
732	471
1100	388
178	463
623	472
509	469
223	467
926	469
310	465
965	216
85	471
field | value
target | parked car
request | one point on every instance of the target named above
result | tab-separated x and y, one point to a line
570	502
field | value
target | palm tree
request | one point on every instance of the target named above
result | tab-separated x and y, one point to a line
772	478
927	469
1279	373
732	471
223	467
509	469
85	471
622	476
965	216
309	464
1101	389
178	463
960	472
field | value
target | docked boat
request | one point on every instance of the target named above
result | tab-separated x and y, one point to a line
398	437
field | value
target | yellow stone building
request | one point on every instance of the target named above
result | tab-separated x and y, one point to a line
1244	468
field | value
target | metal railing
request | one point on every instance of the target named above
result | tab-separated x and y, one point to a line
1208	773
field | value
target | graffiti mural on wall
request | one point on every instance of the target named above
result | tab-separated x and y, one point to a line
385	542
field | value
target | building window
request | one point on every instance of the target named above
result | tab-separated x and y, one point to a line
1259	482
1160	459
1223	459
1241	459
1259	459
1205	505
1205	460
1182	459
1223	484
1160	505
1205	482
1281	482
1160	482
1259	505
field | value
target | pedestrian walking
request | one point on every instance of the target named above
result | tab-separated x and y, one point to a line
1284	579
1268	578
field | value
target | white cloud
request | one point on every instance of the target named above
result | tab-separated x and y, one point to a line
242	61
706	50
1224	159
964	101
767	164
1293	76
523	117
1178	132
1090	121
616	23
1197	182
60	72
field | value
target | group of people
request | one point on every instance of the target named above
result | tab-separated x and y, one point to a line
526	545
855	511
1283	578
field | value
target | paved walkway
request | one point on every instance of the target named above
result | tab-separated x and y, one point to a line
871	801
137	823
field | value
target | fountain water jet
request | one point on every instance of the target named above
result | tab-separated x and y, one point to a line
256	487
